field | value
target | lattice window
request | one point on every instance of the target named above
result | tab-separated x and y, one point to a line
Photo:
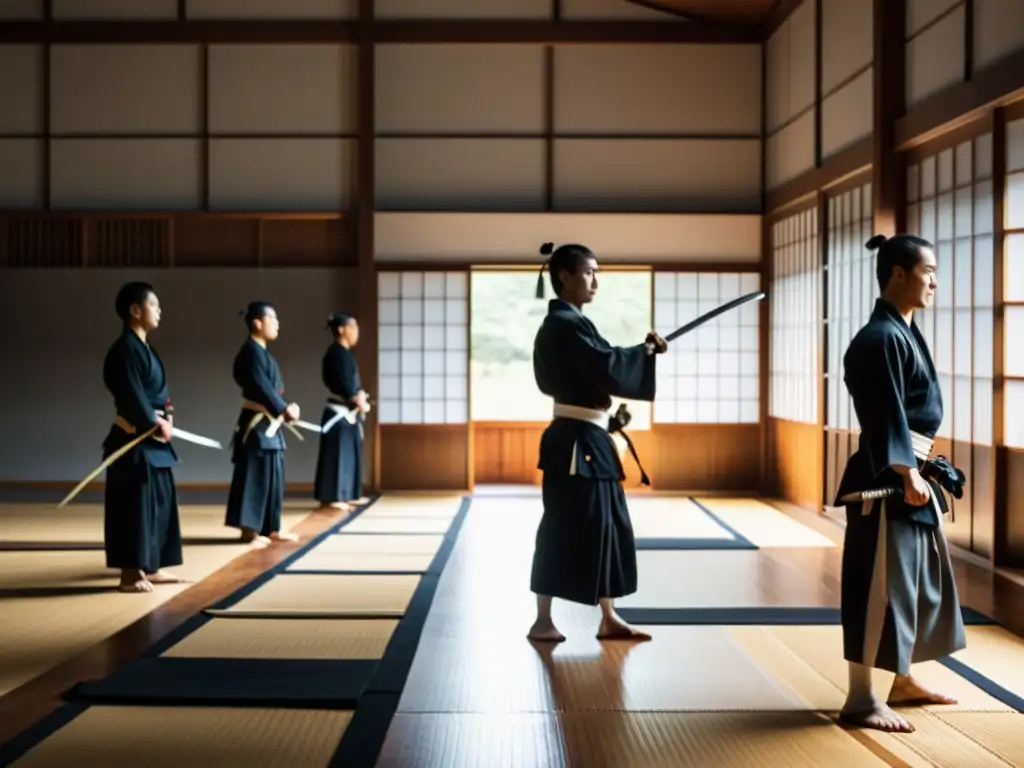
1013	289
423	347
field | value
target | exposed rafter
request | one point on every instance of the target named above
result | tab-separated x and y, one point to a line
441	31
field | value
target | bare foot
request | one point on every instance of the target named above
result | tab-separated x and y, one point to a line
334	506
907	692
359	502
614	628
278	536
545	632
163	577
138	585
877	716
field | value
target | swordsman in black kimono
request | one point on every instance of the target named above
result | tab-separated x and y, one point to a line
899	595
585	549
256	498
339	466
141	527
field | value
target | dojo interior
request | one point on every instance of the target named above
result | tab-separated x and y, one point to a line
403	161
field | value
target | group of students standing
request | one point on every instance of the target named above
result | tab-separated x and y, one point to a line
142	531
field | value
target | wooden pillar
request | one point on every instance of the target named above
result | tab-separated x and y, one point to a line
889	94
366	351
1001	555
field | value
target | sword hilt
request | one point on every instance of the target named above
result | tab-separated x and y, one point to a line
871	495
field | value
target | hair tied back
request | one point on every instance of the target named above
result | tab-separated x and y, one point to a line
876	242
545	250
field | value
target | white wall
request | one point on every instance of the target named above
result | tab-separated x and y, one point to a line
59	324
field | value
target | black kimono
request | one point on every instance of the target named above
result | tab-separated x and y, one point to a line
899	596
339	466
140	506
256	497
585	548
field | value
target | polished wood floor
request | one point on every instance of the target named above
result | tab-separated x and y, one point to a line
480	694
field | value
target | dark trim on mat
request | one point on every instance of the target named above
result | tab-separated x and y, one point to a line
39	731
989	686
364	737
767	615
739	536
220	682
50	546
694	544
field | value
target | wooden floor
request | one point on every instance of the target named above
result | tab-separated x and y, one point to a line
480	694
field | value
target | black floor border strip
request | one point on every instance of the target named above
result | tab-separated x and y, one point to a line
739	536
364	738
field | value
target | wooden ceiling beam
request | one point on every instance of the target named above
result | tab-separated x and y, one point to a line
543	32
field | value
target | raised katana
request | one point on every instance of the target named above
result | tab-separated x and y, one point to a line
755	296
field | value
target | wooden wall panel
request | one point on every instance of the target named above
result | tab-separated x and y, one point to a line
790	151
840	445
703	457
1013	461
282	89
847	114
657	175
790	61
449	174
796	462
272	9
623	90
21	182
462	9
513	238
423	457
677	457
118	174
846	40
998	30
982	492
311	175
21	89
125	89
21	9
922	13
935	57
459	89
109	10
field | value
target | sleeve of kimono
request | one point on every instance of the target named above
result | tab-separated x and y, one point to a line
125	370
255	380
879	390
626	372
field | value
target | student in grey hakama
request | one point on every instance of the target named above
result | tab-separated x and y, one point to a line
142	532
585	549
256	498
899	596
339	466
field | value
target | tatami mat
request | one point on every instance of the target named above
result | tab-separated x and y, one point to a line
997	654
385	552
285	639
200	523
793	653
673	518
327	595
710	578
956	740
622	740
367	523
172	737
682	668
764	525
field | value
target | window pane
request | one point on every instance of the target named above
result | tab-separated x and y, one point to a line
1014	286
1013	414
982	411
1014	332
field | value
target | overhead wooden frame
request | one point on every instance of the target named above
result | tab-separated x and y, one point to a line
543	32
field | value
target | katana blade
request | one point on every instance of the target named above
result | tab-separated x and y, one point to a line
190	437
755	296
309	427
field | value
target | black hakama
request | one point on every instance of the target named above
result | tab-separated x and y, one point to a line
585	547
899	598
256	498
141	526
339	466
